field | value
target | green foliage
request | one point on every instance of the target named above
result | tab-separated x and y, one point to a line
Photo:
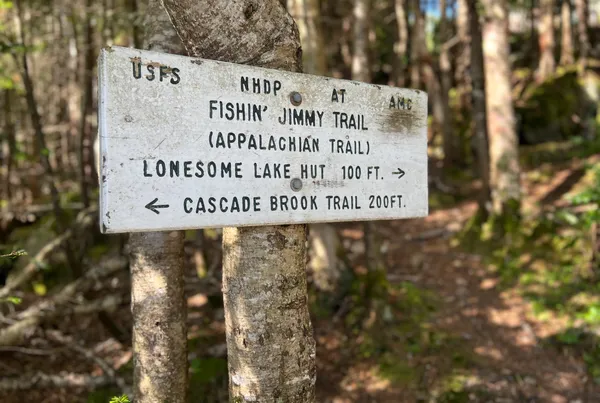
120	399
547	109
13	300
208	380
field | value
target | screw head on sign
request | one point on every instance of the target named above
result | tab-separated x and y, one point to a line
296	98
296	184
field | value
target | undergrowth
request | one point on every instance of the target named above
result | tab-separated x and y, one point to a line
552	260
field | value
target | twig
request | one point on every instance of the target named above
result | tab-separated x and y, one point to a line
58	305
84	221
24	350
63	380
104	366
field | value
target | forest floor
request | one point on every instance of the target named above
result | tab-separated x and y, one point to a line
458	326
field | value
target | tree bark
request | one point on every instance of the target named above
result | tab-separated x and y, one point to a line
546	39
503	141
451	141
360	54
463	59
307	15
581	8
566	50
270	347
158	302
11	144
478	107
402	44
87	104
418	45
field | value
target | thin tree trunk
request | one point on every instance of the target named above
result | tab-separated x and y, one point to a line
478	107
270	347
566	50
360	54
503	141
135	25
9	131
546	39
402	45
308	18
451	143
158	301
463	60
418	45
581	8
87	103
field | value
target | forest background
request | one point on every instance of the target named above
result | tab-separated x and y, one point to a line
495	296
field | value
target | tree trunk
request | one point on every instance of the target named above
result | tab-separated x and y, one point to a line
478	107
451	143
157	291
581	8
87	104
402	45
566	49
503	141
463	60
546	39
159	317
270	347
360	54
418	45
136	36
11	144
307	15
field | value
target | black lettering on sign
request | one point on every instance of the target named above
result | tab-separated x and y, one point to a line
245	112
399	102
301	117
260	142
259	86
190	169
354	147
385	201
137	68
343	203
350	121
335	96
164	71
293	203
150	76
234	204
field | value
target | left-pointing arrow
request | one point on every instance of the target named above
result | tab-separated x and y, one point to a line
154	207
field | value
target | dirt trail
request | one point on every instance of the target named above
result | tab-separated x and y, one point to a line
503	348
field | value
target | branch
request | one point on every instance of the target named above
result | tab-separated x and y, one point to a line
57	305
63	380
104	366
84	220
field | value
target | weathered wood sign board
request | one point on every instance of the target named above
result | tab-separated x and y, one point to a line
192	143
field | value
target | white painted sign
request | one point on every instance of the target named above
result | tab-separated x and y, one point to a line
192	143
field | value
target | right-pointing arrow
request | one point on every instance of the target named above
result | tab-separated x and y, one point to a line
152	206
400	172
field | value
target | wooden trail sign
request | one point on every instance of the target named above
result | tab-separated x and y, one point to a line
193	143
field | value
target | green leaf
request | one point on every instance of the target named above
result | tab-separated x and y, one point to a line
120	399
13	300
